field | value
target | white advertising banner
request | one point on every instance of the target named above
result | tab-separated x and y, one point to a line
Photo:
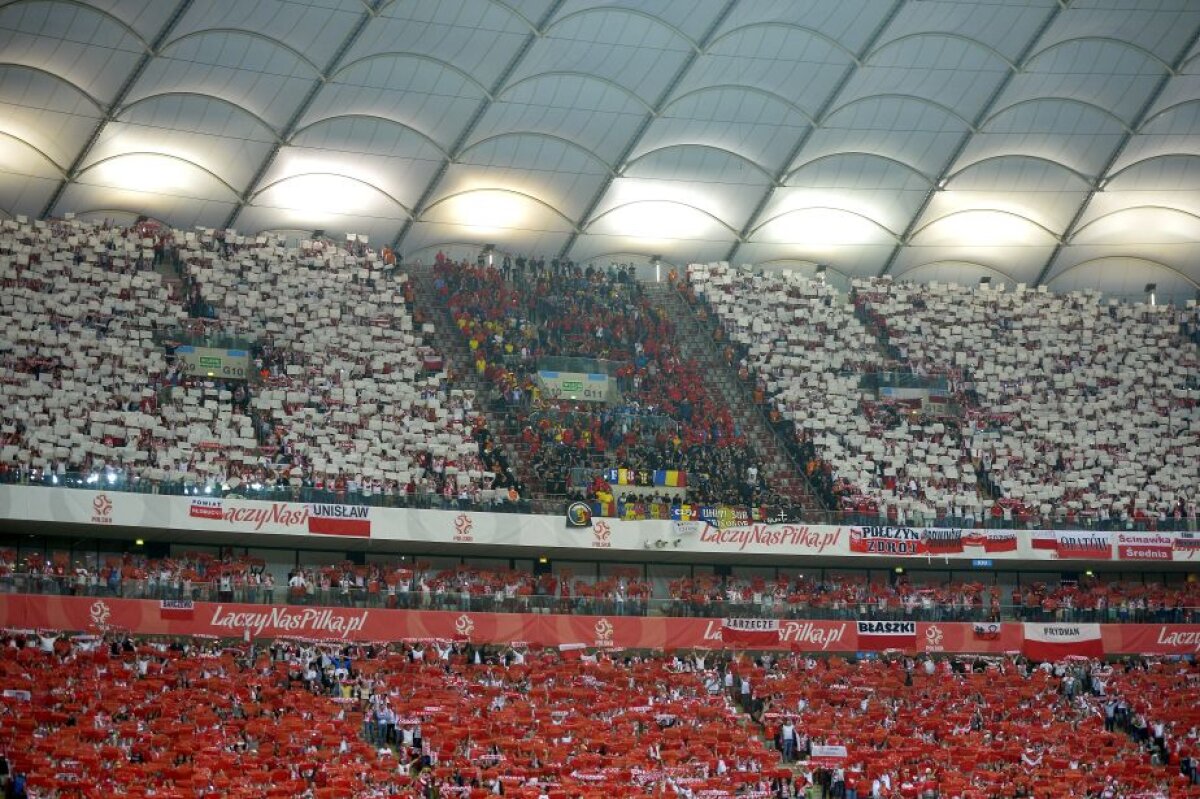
267	518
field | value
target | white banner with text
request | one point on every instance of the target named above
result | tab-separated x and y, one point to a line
330	520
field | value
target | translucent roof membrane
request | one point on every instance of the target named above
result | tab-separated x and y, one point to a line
1035	141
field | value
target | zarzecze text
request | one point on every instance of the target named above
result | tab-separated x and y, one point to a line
278	621
787	535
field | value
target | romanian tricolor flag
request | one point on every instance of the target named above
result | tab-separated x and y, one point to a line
670	477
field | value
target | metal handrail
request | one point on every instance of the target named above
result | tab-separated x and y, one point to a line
383	596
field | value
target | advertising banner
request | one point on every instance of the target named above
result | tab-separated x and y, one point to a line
991	541
906	541
231	620
750	633
794	539
1145	546
1057	641
1073	544
876	636
725	534
1152	639
1091	545
995	638
1186	546
893	541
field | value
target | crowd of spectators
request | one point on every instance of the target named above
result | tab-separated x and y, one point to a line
345	393
848	596
1024	406
982	727
1083	410
80	366
661	417
106	714
622	591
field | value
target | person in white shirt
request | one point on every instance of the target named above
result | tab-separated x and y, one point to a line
787	740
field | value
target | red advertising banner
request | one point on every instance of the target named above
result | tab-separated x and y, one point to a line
1145	546
991	638
149	617
1151	639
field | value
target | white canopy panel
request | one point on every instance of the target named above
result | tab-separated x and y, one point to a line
1040	141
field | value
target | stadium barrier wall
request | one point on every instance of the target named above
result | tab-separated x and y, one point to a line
330	521
247	622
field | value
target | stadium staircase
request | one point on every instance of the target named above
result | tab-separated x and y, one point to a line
459	363
695	338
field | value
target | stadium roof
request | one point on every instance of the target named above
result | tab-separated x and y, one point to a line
1037	141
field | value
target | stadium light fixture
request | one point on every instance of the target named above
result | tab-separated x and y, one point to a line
543	560
899	570
139	543
1151	288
